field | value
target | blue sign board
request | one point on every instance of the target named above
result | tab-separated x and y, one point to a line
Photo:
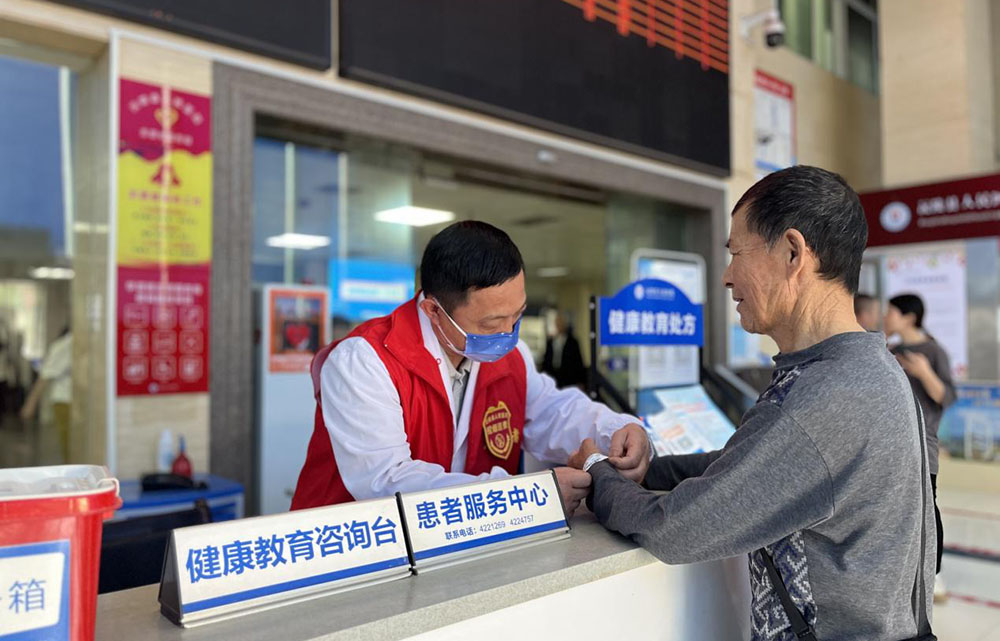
970	428
651	312
364	289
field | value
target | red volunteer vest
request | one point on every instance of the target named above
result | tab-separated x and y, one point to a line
495	424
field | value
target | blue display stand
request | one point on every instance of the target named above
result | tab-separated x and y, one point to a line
224	498
646	312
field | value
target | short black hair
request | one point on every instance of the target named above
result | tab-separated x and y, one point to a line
819	204
464	256
910	304
861	302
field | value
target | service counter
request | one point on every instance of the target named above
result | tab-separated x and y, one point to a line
593	585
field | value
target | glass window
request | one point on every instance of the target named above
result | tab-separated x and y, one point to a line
862	55
838	35
328	217
36	243
354	216
798	18
825	50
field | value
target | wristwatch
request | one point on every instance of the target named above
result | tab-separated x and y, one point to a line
593	460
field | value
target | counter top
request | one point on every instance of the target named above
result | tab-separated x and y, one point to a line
401	608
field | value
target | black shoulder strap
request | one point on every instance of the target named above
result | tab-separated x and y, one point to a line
799	625
920	611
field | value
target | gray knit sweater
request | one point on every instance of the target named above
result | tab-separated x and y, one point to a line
825	472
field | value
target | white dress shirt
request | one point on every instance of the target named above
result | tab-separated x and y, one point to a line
364	418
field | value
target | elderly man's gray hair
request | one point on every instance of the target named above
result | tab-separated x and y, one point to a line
822	207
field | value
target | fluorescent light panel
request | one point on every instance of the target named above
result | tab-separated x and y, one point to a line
553	272
414	216
298	241
52	273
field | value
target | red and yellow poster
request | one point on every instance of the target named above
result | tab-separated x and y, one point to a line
164	239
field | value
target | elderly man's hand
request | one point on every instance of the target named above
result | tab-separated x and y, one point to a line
574	485
630	452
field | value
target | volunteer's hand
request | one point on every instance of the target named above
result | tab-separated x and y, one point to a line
630	452
580	456
915	364
574	485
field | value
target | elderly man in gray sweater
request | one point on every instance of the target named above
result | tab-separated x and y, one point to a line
826	476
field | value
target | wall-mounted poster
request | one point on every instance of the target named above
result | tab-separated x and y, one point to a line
296	328
774	124
164	239
970	428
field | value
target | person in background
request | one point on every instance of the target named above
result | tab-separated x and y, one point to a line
563	360
55	377
926	365
866	310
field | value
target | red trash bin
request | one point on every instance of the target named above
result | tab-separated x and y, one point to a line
50	549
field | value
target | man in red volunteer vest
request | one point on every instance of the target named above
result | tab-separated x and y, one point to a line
441	392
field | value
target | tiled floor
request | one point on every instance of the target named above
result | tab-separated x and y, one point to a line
971	524
27	444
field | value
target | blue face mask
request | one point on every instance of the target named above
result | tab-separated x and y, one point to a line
483	348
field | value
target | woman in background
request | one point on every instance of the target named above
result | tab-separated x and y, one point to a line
926	365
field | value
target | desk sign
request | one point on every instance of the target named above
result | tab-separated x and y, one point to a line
220	570
455	523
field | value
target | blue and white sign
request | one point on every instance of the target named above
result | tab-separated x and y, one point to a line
220	569
470	520
651	312
364	289
34	591
970	428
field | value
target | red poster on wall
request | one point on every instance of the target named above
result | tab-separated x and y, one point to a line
164	244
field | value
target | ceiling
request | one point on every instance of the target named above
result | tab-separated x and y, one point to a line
549	231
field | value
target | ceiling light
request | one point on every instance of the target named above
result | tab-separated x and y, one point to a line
90	228
414	216
298	241
553	272
440	183
52	273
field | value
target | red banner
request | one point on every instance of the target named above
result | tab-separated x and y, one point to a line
968	208
163	329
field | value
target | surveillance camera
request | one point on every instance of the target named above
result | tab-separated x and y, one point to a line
774	30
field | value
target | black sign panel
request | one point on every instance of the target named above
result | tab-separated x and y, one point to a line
297	32
649	76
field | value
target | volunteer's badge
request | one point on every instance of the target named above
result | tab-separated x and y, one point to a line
497	431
